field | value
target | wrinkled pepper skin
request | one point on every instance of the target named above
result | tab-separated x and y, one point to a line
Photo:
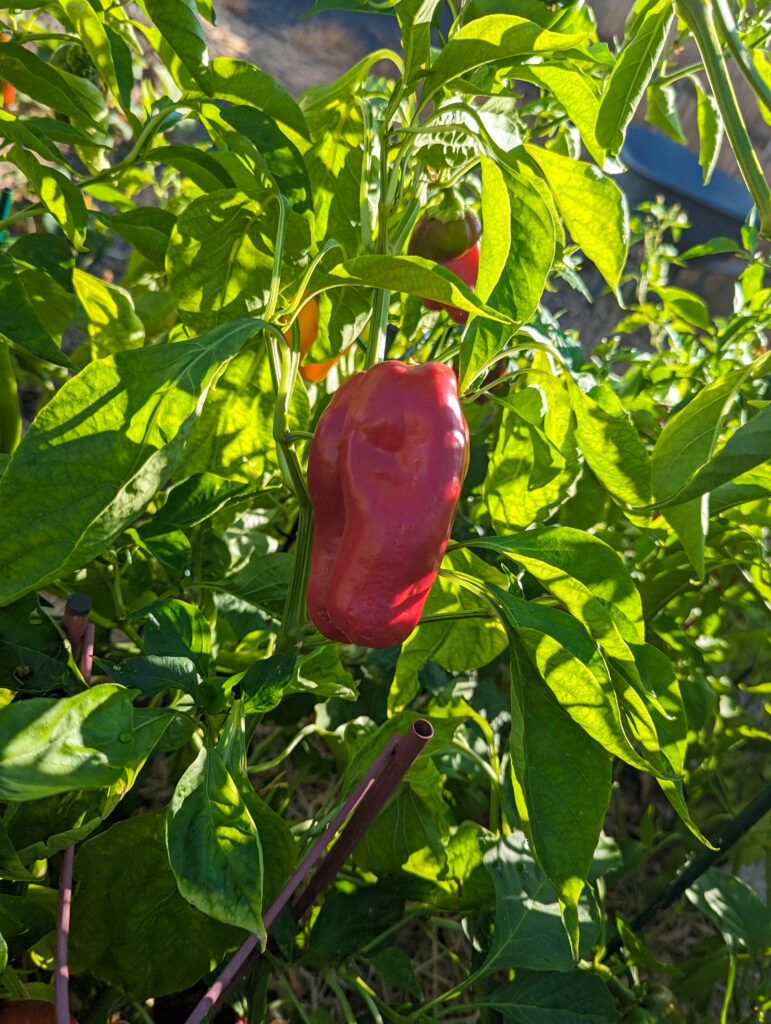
385	471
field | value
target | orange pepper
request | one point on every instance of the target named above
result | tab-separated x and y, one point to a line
9	91
308	325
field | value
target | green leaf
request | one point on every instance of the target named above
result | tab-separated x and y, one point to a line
395	968
147	228
631	74
279	850
749	446
11	867
93	37
112	323
528	930
410	274
145	947
735	910
415	18
321	673
52	746
48	253
659	675
577	94
491	39
221	254
551	997
23	922
405	832
60	197
178	629
213	845
155	673
201	496
534	459
570	664
457	645
593	207
19	323
123	422
201	167
238	81
43	827
33	654
27	134
229	438
262	686
120	54
533	242
709	120
51	87
263	582
562	781
282	158
336	160
348	921
180	26
586	575
662	111
611	445
496	237
685	444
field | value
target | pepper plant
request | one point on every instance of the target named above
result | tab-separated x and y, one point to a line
599	625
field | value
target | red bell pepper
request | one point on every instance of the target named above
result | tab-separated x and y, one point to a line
449	235
385	471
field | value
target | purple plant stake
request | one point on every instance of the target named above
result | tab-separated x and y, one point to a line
80	633
367	800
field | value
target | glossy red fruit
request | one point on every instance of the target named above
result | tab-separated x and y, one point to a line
385	472
466	267
450	237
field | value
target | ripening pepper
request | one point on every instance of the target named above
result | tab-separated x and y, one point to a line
385	471
449	235
308	325
9	91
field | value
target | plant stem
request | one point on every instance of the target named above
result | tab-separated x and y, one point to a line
698	16
449	616
696	867
725	22
10	416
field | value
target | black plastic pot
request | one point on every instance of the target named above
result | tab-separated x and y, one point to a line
659	166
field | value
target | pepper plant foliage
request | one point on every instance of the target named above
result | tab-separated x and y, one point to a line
608	568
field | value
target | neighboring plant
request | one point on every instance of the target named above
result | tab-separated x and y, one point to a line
593	655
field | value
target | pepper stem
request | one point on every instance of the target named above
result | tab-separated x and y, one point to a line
699	17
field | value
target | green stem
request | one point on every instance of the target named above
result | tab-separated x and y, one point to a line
727	26
345	1006
298	738
452	993
677	74
698	16
295	614
10	415
448	616
382	299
